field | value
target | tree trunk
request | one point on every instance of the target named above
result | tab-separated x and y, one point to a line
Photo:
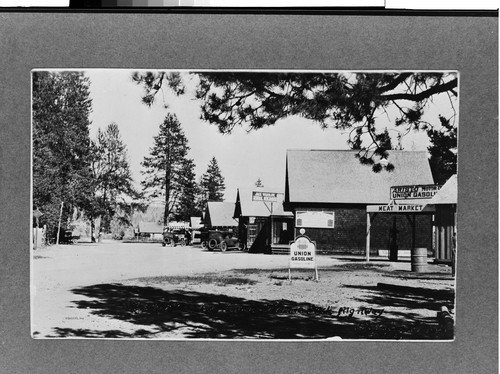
100	229
166	212
92	230
168	171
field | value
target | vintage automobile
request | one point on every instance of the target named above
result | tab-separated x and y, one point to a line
174	237
196	237
66	237
222	240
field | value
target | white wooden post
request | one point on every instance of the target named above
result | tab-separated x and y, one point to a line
59	227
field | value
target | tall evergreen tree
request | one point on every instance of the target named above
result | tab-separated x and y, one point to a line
187	206
61	145
112	178
212	185
443	150
164	167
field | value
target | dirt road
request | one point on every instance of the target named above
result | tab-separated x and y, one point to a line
118	290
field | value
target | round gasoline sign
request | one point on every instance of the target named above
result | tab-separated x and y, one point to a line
303	253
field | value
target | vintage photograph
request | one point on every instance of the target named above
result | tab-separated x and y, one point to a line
244	204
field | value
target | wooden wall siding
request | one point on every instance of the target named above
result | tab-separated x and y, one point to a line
445	227
349	234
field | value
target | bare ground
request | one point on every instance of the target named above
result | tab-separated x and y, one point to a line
233	296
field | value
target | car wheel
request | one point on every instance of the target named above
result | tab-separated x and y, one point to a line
223	246
163	244
203	244
212	244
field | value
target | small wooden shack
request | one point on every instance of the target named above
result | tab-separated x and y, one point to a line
149	231
219	216
264	227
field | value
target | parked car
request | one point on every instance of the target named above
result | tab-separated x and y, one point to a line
204	238
196	237
67	237
222	240
174	237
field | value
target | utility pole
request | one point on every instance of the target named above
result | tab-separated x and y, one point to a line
59	227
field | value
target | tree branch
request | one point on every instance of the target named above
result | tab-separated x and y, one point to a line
396	81
424	94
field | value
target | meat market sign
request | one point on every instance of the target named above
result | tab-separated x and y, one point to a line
396	208
418	191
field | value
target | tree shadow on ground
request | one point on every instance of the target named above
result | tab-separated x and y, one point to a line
400	305
204	315
87	333
160	313
406	297
429	275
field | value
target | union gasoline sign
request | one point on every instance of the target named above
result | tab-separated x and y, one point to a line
302	255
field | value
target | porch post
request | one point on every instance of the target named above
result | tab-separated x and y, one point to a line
368	225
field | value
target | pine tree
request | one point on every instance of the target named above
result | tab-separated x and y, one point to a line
212	185
343	100
187	207
112	178
443	150
61	146
164	168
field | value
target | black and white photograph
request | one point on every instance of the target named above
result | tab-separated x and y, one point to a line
292	205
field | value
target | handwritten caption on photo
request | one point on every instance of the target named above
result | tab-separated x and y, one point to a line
277	308
364	311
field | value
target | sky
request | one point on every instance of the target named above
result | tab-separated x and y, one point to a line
243	157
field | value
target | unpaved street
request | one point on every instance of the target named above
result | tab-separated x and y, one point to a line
117	290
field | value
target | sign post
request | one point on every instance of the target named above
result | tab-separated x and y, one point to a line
267	197
302	255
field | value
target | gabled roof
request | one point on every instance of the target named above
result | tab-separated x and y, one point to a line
220	213
448	193
150	227
337	176
249	208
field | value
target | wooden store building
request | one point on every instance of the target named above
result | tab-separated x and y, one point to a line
264	226
328	192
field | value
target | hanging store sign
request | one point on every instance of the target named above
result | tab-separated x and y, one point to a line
418	191
271	197
315	219
396	208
